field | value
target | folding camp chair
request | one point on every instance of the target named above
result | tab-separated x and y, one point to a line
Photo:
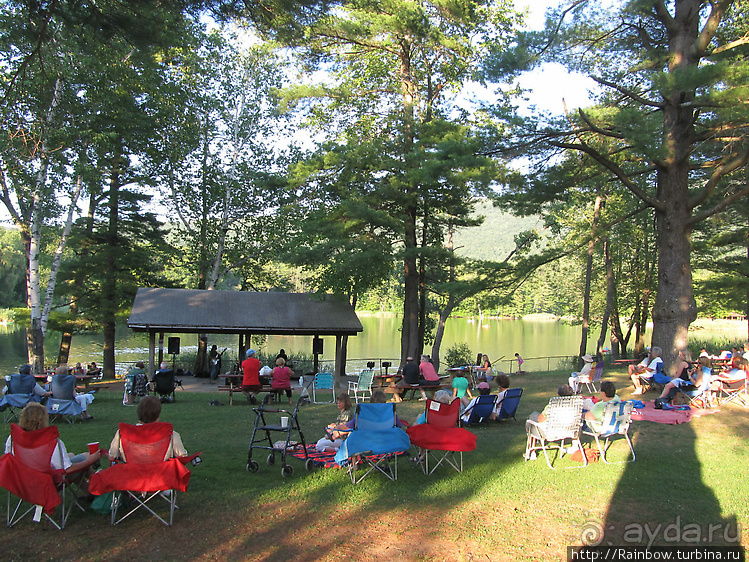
145	478
164	385
615	422
27	474
63	402
657	381
20	391
375	442
729	391
481	409
323	381
700	397
508	407
442	436
590	380
362	385
563	421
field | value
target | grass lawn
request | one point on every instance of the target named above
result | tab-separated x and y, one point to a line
687	483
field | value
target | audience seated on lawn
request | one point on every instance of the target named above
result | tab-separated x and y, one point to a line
583	373
336	432
655	366
564	390
34	416
503	384
442	396
461	390
378	397
594	416
149	411
699	379
83	399
36	389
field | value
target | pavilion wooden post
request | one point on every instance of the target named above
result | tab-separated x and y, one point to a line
151	351
340	367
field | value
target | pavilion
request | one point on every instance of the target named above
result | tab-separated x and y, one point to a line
189	311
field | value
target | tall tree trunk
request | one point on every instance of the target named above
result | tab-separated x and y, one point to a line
588	275
609	296
410	328
109	287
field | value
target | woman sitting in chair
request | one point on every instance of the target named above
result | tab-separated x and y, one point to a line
336	432
149	411
655	366
34	416
698	379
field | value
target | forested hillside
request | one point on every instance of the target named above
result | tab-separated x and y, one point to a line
495	238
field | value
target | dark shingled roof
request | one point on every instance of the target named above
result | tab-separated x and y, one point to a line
194	311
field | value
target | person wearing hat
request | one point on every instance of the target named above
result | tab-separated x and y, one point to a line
251	379
584	373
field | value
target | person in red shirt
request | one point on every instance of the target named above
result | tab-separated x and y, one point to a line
429	376
251	379
281	379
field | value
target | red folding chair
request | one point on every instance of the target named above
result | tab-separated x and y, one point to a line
26	473
144	476
442	436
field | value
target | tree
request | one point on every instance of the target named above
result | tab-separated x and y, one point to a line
401	156
673	75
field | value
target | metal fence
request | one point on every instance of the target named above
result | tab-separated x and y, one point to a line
507	365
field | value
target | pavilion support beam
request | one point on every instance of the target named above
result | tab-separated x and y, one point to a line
151	354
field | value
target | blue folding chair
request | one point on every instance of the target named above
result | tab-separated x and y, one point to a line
375	442
481	409
323	381
62	402
20	391
509	405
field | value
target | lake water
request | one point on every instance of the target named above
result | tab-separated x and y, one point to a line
500	339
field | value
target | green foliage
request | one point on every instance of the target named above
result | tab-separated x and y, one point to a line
458	355
12	269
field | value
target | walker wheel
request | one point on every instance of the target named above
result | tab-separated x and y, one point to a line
252	466
271	460
287	470
309	464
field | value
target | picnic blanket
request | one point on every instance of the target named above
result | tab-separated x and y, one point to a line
672	417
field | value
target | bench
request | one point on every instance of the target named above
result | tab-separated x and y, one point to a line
231	389
432	388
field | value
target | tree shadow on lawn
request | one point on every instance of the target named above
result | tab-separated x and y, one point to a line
665	498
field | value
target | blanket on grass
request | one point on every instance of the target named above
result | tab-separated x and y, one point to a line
672	417
321	460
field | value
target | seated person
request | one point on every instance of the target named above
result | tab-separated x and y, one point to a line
535	431
135	383
428	376
442	396
484	369
78	369
503	383
93	369
37	390
583	373
655	366
735	372
251	376
83	399
336	432
701	377
460	389
378	397
149	410
34	416
483	391
410	378
594	416
281	379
